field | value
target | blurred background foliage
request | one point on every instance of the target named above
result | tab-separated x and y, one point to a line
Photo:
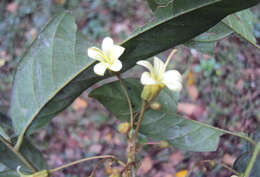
222	90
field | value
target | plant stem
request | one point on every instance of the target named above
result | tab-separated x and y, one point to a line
240	136
229	132
19	141
132	141
252	160
84	160
18	154
128	100
229	168
141	115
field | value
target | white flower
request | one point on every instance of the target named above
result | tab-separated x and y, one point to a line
107	57
159	76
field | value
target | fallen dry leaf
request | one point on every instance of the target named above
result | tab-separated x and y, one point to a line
176	158
79	104
2	62
193	92
146	166
228	159
182	173
191	109
12	7
60	1
191	79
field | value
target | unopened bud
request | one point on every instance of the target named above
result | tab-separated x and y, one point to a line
123	127
164	144
115	173
151	91
155	105
108	167
212	163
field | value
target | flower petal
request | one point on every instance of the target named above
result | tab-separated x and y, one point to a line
158	66
146	79
100	69
95	53
146	64
117	52
116	66
107	45
173	80
174	87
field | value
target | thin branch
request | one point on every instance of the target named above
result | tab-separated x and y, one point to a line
128	99
81	161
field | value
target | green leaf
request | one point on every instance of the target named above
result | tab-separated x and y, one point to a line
9	173
3	134
113	98
164	124
56	58
206	42
55	69
29	151
242	161
154	4
242	24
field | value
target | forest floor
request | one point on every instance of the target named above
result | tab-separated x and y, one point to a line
222	90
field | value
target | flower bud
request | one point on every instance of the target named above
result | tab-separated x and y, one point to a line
164	144
115	173
108	167
123	127
155	105
212	163
151	91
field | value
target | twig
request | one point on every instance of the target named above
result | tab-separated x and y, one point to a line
128	99
81	161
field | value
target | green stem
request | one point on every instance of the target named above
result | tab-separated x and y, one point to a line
19	141
128	100
228	132
229	168
84	160
141	115
240	136
252	160
19	155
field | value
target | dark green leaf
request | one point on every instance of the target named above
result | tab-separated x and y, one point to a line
3	134
242	24
113	98
9	173
54	59
164	124
206	42
56	69
30	152
242	161
155	3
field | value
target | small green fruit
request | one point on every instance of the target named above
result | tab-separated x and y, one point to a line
155	105
123	127
164	144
